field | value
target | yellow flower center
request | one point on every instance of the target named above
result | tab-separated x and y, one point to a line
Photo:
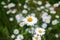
29	19
36	38
40	31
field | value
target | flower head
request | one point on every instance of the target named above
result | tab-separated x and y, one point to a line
30	20
40	31
36	37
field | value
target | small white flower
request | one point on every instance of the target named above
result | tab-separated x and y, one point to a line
22	24
33	14
50	28
54	22
11	5
59	2
56	35
20	36
13	11
40	31
31	30
9	0
36	37
12	36
46	19
57	16
19	4
3	3
53	12
42	7
56	5
30	20
24	11
19	17
17	39
25	6
5	6
51	8
11	19
44	25
44	14
26	1
39	2
9	11
47	5
16	31
34	1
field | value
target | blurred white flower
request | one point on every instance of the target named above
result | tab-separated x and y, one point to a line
9	0
25	6
20	36
12	36
39	2
30	20
33	14
31	30
5	6
16	31
50	28
3	3
42	7
44	14
26	1
11	5
45	17
17	39
36	37
56	35
40	31
19	4
47	5
44	25
53	12
54	22
51	8
56	5
24	11
11	19
13	11
59	2
22	24
9	11
57	16
34	1
19	17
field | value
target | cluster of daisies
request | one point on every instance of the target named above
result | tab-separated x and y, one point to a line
25	17
16	35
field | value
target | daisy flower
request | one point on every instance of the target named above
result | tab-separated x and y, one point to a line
11	5
40	31
36	37
30	20
20	36
16	31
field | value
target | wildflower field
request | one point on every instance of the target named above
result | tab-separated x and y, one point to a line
29	19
